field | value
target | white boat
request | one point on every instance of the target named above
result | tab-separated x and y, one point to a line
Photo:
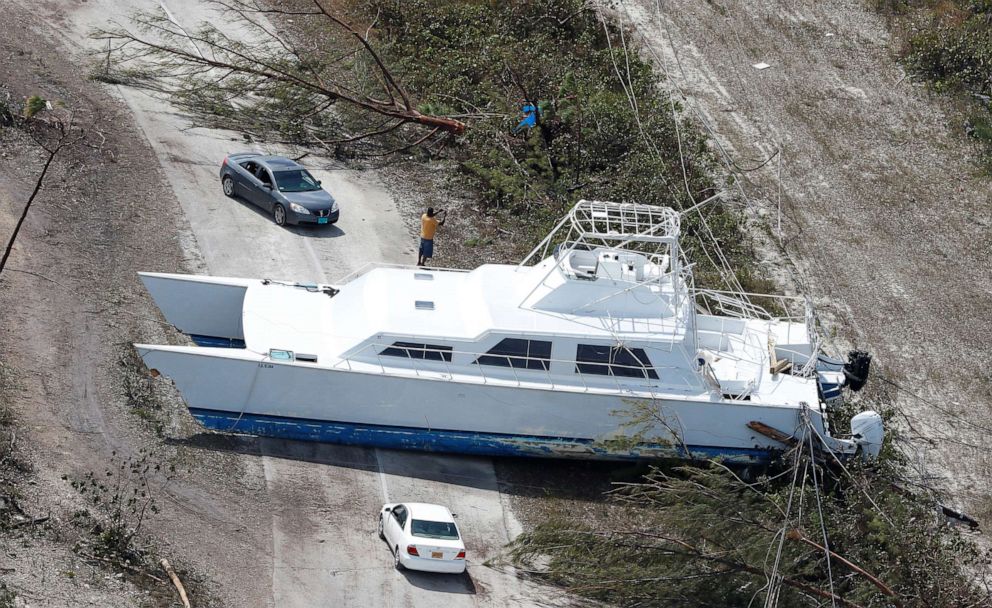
539	359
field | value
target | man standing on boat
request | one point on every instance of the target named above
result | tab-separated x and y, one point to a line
428	226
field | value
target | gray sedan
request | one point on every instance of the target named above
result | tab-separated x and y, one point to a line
280	186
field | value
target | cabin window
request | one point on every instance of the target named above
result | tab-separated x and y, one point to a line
613	361
519	354
413	350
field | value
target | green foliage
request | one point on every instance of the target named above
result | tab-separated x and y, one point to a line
701	536
477	241
491	58
891	7
952	49
484	60
33	105
981	128
7	597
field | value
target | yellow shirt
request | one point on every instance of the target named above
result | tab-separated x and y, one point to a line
428	226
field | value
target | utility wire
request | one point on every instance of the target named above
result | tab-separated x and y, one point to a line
723	267
819	506
774	585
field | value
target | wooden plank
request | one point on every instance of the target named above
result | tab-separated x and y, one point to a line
772	433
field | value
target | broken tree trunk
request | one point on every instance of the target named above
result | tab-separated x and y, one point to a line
796	535
175	581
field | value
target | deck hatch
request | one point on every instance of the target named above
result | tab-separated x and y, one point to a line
423	276
423	305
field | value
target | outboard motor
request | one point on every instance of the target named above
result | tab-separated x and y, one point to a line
856	369
868	432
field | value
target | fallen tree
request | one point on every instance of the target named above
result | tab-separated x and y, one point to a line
264	84
806	532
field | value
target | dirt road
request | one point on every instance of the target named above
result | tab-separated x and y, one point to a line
321	501
885	215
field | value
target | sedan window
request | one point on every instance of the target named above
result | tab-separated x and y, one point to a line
400	514
263	176
296	180
444	530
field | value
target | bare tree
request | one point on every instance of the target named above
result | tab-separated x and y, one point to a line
54	132
255	80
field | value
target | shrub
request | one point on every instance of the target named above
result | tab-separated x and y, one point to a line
33	105
952	49
122	501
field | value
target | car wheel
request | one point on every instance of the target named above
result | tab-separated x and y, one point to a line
228	184
396	559
382	533
279	215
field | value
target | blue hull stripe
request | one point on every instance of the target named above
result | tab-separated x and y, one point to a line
459	442
215	342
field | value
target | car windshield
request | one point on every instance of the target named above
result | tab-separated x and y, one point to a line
444	530
296	180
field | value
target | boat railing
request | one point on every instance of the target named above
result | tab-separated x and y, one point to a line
520	370
730	304
375	265
739	305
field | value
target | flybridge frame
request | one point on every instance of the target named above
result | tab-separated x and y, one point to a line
647	229
654	231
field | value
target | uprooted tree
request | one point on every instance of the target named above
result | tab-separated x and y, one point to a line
264	84
810	531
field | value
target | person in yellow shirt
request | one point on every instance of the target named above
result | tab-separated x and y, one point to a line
428	226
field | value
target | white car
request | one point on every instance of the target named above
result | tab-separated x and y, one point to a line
422	537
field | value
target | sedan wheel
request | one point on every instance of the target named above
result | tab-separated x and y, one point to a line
228	185
279	214
382	533
396	559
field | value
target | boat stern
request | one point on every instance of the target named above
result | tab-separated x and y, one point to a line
208	309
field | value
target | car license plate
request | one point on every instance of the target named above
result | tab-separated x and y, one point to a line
437	555
321	220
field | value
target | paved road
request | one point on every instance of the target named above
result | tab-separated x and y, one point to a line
325	550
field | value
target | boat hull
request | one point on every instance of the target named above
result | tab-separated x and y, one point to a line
460	442
237	391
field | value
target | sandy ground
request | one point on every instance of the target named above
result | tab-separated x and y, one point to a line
263	523
885	216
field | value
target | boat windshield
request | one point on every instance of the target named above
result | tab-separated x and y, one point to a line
297	180
444	530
